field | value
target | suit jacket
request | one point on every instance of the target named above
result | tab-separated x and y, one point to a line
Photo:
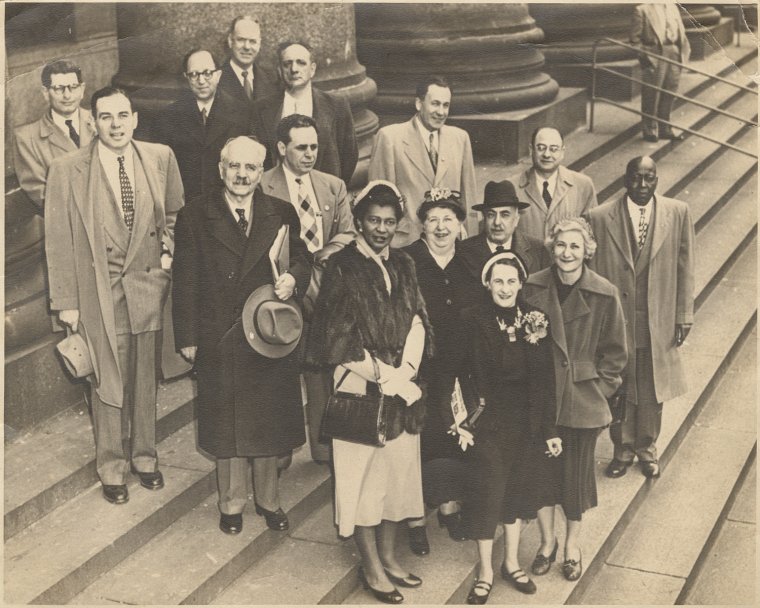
671	281
75	244
338	151
248	404
588	332
197	147
264	84
400	156
475	251
573	196
38	143
648	31
334	209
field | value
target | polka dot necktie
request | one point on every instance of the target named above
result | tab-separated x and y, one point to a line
242	222
308	217
127	195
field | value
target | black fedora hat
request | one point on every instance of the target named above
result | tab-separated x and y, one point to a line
500	194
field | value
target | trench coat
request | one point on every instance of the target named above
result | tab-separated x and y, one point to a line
588	333
670	285
248	405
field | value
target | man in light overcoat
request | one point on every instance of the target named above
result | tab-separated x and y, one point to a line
646	249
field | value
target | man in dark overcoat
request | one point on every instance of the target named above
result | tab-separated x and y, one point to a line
249	406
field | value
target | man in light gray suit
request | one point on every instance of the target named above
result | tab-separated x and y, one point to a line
109	236
65	127
321	201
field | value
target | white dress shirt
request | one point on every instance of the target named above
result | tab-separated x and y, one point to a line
492	246
60	122
425	135
304	105
247	206
552	179
239	72
634	212
205	104
293	188
109	160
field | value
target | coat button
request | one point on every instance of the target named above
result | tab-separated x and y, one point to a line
152	234
564	364
109	249
147	269
446	281
625	294
448	302
231	275
327	207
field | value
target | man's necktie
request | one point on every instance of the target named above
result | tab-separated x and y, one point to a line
242	222
204	116
432	152
643	227
308	218
127	195
247	85
500	248
545	194
73	132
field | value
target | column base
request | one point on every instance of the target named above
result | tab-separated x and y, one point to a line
507	134
706	40
607	85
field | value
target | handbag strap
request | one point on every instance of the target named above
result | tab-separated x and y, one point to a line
376	369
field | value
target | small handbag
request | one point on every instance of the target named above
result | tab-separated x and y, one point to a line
617	404
356	418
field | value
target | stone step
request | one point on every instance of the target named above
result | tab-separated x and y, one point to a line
191	561
55	461
57	556
661	545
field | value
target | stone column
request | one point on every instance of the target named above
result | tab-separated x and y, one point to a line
570	32
706	29
153	38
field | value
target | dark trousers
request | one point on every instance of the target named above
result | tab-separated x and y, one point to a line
128	433
656	103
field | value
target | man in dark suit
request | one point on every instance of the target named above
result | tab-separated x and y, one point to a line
501	212
338	151
109	225
65	127
321	201
646	249
249	405
197	126
242	78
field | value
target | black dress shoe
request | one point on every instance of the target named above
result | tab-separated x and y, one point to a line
671	136
616	468
650	137
528	586
453	523
151	481
117	495
542	563
572	569
418	541
387	597
276	520
650	468
231	524
410	580
479	598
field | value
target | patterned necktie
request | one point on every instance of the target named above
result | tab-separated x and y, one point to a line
204	116
242	222
643	227
308	218
545	194
127	195
432	152
73	132
247	85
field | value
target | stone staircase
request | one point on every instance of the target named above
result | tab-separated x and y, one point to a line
65	544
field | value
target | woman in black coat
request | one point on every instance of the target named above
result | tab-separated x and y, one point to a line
513	373
447	288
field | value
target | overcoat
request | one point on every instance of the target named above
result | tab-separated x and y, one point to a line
264	84
338	151
38	143
400	156
670	283
475	251
197	147
588	332
248	404
75	245
573	196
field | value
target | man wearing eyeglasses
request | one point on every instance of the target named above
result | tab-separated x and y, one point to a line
553	191
197	126
242	78
65	127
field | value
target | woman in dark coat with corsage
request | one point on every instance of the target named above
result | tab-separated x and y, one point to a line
588	334
448	288
370	306
509	350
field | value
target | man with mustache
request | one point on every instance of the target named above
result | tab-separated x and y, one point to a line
425	153
296	66
321	201
249	405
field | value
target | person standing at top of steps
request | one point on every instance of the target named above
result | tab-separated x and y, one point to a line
658	28
646	249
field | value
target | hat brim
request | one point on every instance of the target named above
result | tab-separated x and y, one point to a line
256	342
483	206
75	354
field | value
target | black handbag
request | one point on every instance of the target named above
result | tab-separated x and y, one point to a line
617	404
356	418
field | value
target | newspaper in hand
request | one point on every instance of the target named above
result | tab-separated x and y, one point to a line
279	252
458	409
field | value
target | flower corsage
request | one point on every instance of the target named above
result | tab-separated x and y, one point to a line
534	326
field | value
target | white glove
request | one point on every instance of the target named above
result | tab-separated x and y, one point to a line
410	393
554	447
464	436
